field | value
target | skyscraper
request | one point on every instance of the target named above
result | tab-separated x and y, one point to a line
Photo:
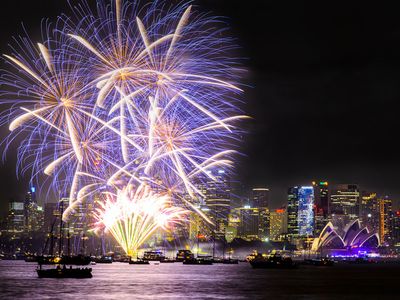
278	223
321	207
385	220
345	200
292	212
33	213
306	210
369	211
217	199
15	218
260	197
396	228
252	223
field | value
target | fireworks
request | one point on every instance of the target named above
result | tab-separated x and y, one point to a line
134	106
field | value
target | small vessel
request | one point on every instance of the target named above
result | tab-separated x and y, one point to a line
103	260
156	255
138	262
31	258
319	262
275	261
230	261
182	255
362	260
79	260
201	260
64	272
167	260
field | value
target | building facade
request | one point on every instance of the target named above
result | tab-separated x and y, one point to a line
278	224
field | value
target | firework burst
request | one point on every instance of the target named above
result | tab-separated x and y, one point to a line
134	104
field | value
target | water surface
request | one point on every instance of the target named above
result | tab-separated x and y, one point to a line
18	280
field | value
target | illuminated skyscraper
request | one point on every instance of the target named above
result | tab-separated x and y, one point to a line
217	199
345	200
369	211
321	207
15	218
252	223
292	212
33	213
300	211
260	197
278	223
396	228
306	210
385	220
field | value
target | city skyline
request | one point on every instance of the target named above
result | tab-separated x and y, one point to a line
278	118
278	152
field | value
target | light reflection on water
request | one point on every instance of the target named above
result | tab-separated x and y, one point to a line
18	280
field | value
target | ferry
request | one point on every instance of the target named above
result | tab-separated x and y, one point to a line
274	261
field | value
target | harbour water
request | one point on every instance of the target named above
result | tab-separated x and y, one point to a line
18	280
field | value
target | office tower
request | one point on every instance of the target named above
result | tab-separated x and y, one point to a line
252	223
369	211
217	199
306	210
396	229
34	221
385	220
321	206
278	224
15	218
260	197
33	213
50	213
345	201
292	212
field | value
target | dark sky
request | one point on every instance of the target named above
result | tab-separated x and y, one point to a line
324	79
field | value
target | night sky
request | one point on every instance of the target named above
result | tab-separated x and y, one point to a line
323	87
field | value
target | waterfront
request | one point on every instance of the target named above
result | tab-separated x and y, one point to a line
18	280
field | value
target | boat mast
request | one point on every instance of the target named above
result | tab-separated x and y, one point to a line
214	231
223	244
51	238
60	244
198	243
68	241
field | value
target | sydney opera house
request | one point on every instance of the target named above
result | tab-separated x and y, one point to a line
356	240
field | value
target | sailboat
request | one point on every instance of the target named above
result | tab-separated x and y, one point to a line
199	260
63	272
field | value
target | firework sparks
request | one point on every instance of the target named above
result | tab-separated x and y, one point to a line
132	215
129	103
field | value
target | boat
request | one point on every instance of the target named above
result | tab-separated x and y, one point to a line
79	260
103	260
319	262
167	260
31	258
201	260
156	255
217	260
138	262
182	255
64	272
273	262
230	261
362	261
